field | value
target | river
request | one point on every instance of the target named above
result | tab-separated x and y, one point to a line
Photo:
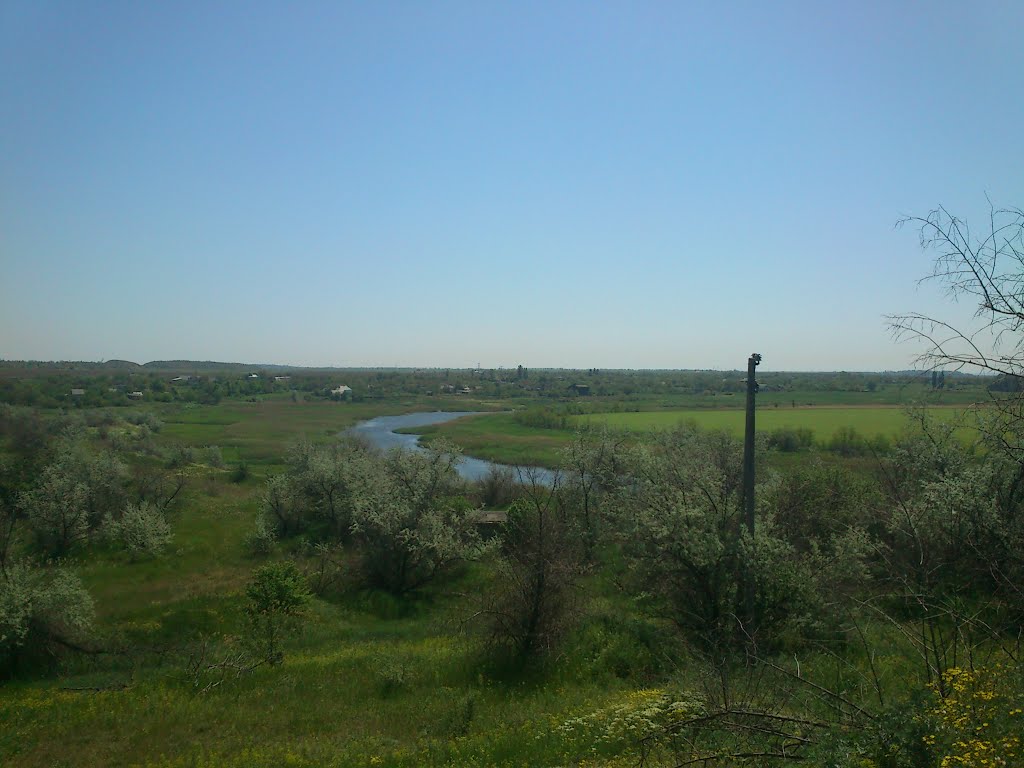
380	432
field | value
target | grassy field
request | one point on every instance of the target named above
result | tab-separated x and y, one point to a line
369	680
259	431
824	421
499	437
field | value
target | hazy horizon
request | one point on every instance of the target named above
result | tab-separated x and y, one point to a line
255	366
640	186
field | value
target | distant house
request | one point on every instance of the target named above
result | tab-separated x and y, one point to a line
492	517
580	389
134	395
464	391
342	391
282	378
180	379
78	392
253	376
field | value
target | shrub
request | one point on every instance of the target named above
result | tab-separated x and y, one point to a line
180	456
276	596
541	559
790	439
409	521
142	529
497	488
214	457
241	473
680	525
42	608
261	539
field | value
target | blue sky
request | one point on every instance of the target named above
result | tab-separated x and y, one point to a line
551	184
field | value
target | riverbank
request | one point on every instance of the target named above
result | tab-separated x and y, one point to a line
498	437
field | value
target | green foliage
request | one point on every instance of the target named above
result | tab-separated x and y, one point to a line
40	606
497	488
316	493
543	418
594	465
410	523
260	541
532	602
817	501
214	456
241	472
142	529
633	724
75	492
680	526
276	596
791	439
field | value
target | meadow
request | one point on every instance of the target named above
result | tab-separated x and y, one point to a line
502	438
499	437
370	679
260	430
824	421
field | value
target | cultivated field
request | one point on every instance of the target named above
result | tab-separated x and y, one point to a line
824	421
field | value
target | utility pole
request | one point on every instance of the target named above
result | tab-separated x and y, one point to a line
748	489
748	444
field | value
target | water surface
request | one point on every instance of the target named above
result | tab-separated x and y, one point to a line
380	432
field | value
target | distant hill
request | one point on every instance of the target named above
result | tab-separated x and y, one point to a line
211	365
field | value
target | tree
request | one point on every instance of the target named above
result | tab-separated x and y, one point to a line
986	269
142	529
42	609
410	522
316	491
276	596
75	492
594	464
681	528
540	563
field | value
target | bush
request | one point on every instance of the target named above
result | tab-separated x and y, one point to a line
259	542
682	531
213	456
41	609
533	601
847	441
542	418
180	456
497	488
276	596
144	419
790	440
142	529
241	473
74	493
410	524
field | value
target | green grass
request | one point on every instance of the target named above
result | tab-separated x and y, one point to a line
499	437
824	421
367	682
260	431
336	700
362	684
